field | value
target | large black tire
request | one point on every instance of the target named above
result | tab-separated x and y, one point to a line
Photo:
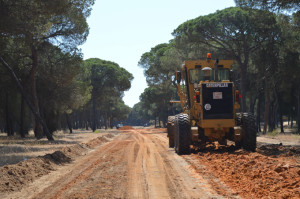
183	134
171	130
248	132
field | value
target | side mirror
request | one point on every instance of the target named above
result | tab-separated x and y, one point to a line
178	77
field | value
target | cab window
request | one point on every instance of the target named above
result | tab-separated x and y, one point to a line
223	74
197	75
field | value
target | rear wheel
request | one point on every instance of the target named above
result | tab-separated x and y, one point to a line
183	134
171	129
248	132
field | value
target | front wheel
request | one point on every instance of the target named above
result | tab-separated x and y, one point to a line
248	132
183	134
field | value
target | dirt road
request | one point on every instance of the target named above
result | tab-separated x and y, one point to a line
135	164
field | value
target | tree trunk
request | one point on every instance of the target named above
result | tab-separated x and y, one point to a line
267	105
86	125
69	123
80	120
94	112
270	117
22	116
280	115
99	121
281	122
258	114
38	130
278	100
36	113
159	121
109	122
9	124
292	119
105	120
76	120
58	120
252	103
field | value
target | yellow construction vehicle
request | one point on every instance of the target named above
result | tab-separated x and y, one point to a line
210	102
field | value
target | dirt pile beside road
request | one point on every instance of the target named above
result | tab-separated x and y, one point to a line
126	128
14	177
271	172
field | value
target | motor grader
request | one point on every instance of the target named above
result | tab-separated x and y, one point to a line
210	103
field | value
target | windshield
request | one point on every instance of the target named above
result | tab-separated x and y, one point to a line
197	75
223	74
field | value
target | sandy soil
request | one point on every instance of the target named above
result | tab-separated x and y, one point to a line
14	149
137	163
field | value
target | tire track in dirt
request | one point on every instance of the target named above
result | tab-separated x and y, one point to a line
150	164
135	164
93	165
189	181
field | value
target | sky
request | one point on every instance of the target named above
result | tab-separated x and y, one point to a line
121	31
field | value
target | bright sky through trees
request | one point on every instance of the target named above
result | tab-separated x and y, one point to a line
121	31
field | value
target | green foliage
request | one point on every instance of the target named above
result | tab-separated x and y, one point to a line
120	111
232	33
61	21
138	116
49	31
265	45
108	81
59	86
273	5
159	68
154	71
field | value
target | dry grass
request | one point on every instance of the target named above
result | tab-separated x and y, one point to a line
289	137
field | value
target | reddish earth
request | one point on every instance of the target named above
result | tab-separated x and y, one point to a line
137	163
267	173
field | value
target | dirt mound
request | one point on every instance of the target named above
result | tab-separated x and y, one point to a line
126	128
14	177
97	141
256	175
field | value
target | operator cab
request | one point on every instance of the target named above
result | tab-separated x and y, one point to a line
208	74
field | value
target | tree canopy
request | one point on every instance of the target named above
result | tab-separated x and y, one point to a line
39	41
263	39
109	81
233	32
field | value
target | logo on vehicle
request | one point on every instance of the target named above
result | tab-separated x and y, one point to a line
215	85
207	107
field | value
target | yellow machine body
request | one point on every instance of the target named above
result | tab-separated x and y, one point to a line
191	91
